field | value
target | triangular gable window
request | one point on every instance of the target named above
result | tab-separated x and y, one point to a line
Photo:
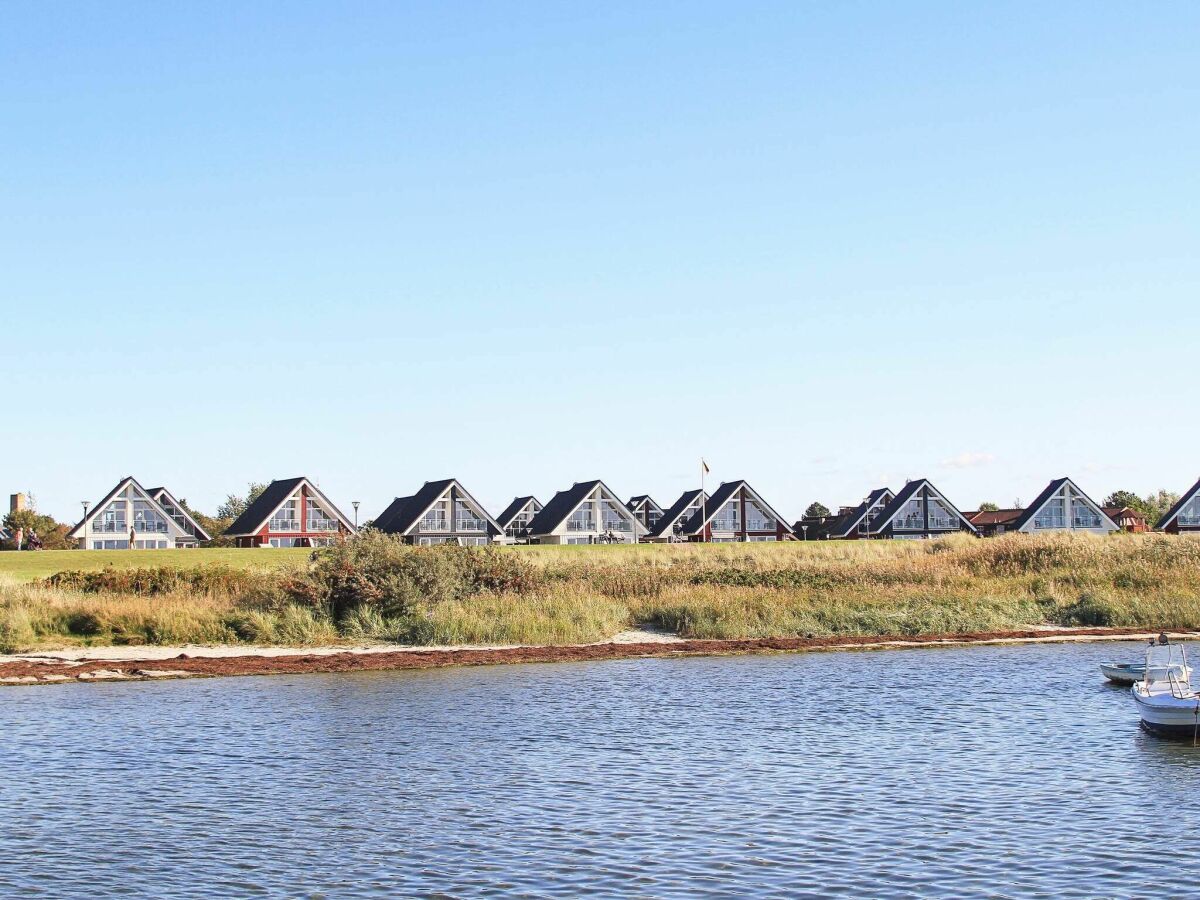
1053	513
1189	514
319	518
757	518
287	517
467	517
940	516
728	517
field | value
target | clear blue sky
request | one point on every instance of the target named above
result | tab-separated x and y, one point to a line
828	246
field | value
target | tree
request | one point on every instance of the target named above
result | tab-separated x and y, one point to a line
234	505
52	535
1121	499
214	526
988	506
1158	504
816	510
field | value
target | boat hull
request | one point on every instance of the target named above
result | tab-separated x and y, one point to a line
1166	715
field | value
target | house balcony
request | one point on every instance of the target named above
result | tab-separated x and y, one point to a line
439	525
1085	522
110	527
284	525
581	525
470	525
1189	521
726	525
617	525
150	527
760	525
322	525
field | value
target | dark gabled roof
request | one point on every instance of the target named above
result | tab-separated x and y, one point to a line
905	494
393	509
511	511
1178	506
639	499
676	510
1039	501
1051	489
844	523
993	516
720	496
560	506
403	517
252	518
1122	512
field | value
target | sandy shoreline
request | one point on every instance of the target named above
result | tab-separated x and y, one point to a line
154	663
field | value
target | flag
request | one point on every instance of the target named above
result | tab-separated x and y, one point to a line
704	466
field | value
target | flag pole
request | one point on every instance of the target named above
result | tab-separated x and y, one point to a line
703	502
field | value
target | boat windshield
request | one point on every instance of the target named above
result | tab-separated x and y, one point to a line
1166	661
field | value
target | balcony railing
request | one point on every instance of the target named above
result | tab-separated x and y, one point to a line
322	525
1050	522
110	527
760	525
284	525
1189	519
1086	522
617	525
470	525
581	525
151	527
434	525
726	525
908	523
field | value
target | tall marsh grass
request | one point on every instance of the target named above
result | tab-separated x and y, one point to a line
374	588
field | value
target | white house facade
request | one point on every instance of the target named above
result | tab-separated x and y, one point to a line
586	513
132	517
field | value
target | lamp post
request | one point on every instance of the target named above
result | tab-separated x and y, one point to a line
354	503
804	528
85	504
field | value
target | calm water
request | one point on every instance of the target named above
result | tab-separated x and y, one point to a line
973	772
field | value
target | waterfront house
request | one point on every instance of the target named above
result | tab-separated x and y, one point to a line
1063	506
441	512
918	511
735	512
131	517
647	511
291	512
1184	516
514	521
669	528
849	523
586	513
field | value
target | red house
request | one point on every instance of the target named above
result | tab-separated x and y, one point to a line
290	513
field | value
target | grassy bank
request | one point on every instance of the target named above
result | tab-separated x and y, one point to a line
375	589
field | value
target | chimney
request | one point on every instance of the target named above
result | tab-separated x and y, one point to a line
16	503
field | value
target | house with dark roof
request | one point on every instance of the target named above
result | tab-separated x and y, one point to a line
647	511
1184	516
918	511
849	523
291	512
735	512
1127	519
441	512
669	528
1063	506
132	517
586	513
515	519
992	522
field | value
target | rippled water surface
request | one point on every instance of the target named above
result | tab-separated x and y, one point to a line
972	772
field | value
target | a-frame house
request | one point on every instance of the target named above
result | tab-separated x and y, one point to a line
647	511
670	524
1062	506
735	512
441	512
291	512
850	522
1184	516
515	519
918	510
586	513
131	517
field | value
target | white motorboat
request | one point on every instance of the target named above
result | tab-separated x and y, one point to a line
1164	697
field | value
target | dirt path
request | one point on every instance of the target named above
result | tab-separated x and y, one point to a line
143	663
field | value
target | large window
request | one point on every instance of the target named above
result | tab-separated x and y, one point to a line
940	517
112	520
614	520
728	517
436	519
911	517
583	519
757	518
285	518
1083	516
466	519
147	519
519	526
1052	514
1190	514
319	519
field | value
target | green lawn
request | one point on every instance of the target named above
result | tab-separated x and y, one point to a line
27	566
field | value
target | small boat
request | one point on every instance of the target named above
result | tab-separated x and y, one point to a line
1164	697
1123	673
